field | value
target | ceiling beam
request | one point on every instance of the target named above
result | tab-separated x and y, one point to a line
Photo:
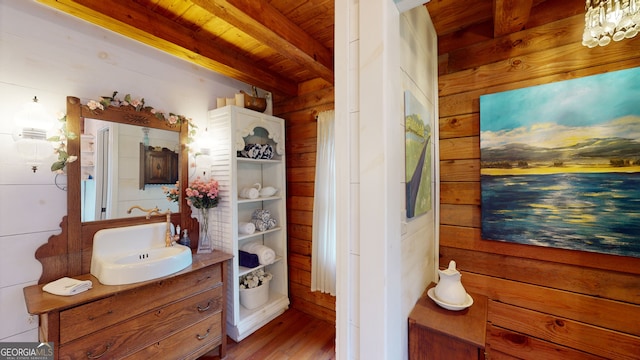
510	16
263	22
452	15
135	21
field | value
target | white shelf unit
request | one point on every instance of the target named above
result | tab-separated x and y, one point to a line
231	128
87	158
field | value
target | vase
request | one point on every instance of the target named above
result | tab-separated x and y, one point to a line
255	297
204	241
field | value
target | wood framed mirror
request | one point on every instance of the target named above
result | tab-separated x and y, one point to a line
69	253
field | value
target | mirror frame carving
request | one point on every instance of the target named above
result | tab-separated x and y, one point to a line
69	253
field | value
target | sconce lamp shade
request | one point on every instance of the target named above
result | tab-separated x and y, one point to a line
34	152
607	20
202	143
30	134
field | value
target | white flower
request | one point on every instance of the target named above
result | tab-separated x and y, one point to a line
254	279
92	104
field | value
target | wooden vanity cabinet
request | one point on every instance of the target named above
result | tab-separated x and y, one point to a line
176	317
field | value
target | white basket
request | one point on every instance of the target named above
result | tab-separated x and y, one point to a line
255	297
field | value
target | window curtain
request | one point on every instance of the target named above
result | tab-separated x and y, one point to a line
323	256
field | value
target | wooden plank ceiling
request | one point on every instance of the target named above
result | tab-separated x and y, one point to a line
278	44
272	44
461	23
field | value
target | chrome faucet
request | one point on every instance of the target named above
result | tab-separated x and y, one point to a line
168	238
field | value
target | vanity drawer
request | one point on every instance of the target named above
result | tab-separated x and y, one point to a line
140	331
186	344
87	318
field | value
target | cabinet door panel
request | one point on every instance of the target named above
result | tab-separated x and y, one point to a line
428	344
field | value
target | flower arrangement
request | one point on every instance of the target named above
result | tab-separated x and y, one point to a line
138	104
173	194
202	194
254	279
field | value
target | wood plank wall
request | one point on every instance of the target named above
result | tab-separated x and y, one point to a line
301	136
545	303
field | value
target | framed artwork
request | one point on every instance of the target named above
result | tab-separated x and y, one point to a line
417	156
560	164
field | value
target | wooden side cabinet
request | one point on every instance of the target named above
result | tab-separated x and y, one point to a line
437	333
157	166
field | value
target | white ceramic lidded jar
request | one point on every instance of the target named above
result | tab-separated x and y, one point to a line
449	288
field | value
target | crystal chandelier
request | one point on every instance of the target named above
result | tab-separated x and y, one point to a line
610	19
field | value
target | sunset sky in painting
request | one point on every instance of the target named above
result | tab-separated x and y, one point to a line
565	112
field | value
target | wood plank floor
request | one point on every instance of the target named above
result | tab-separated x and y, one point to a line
292	335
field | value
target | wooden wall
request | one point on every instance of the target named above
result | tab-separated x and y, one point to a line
544	303
301	134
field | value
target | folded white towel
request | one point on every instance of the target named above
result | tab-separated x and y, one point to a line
266	255
249	193
67	286
246	228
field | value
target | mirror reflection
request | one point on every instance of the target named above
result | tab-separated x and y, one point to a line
113	171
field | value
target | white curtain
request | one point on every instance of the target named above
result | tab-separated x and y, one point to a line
323	256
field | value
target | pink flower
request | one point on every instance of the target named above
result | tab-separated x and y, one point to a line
202	194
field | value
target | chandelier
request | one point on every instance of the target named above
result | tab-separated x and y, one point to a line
610	19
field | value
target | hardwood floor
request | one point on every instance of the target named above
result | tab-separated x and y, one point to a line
292	335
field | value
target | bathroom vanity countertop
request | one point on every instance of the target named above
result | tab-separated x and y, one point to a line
41	302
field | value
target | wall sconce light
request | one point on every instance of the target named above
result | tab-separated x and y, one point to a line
610	19
202	143
30	135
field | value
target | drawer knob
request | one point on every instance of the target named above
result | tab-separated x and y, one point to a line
202	337
203	309
91	356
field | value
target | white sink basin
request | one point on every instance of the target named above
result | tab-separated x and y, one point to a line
132	254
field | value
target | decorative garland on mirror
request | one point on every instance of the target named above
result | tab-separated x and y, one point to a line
60	139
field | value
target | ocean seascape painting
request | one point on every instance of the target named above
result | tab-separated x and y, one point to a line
560	164
417	156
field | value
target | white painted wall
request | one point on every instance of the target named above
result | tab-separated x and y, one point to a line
51	55
386	261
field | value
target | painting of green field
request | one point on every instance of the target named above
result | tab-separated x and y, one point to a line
417	156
